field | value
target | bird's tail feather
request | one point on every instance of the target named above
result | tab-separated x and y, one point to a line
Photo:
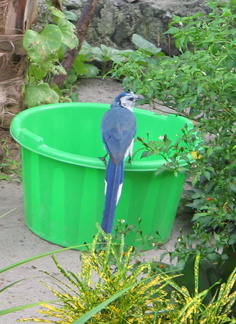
114	181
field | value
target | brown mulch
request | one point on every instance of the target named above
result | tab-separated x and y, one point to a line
9	151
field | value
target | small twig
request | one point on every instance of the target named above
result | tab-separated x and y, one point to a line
81	30
7	212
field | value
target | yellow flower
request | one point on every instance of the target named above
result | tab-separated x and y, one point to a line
196	155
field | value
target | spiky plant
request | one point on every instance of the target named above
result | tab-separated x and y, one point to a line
132	294
112	288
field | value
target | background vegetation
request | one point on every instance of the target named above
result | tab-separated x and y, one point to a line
198	84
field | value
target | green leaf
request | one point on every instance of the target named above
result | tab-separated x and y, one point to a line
68	33
107	52
70	15
17	264
91	70
71	78
112	54
18	308
232	186
142	43
118	55
56	89
57	69
85	69
78	65
38	71
91	53
83	319
38	94
44	45
182	170
74	97
56	12
172	30
207	175
161	169
10	285
198	215
146	154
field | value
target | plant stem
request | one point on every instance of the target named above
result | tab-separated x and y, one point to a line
82	28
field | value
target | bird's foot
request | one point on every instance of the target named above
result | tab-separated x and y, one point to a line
130	159
103	159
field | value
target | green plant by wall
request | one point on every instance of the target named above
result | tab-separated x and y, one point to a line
8	166
46	49
200	84
93	61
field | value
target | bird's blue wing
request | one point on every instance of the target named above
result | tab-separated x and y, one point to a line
118	130
114	182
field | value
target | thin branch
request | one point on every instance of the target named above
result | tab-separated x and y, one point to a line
81	30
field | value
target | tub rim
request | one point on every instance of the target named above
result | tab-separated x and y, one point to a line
35	143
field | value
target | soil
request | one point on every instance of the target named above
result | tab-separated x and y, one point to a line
17	242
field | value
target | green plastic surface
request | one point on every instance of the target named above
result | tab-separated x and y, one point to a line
63	179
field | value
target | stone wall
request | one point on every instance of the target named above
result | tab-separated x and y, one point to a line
115	21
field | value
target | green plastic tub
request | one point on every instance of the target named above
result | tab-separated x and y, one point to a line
63	179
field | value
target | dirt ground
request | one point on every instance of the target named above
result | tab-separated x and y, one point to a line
17	242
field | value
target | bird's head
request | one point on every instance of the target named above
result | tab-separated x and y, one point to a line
126	100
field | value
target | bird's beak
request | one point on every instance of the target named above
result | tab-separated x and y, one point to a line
138	97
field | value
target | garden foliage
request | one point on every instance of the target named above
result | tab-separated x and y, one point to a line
113	287
46	49
199	84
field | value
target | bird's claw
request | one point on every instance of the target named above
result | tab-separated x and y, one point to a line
130	159
103	159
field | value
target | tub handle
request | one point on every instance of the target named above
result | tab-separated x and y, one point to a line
30	138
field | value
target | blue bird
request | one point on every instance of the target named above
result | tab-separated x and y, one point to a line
118	131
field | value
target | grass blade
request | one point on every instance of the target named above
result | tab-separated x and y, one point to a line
18	308
10	285
14	265
83	319
7	213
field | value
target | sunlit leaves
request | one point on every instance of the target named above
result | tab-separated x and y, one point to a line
147	46
36	94
68	33
199	84
44	45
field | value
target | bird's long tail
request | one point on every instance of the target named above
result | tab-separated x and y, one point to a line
114	181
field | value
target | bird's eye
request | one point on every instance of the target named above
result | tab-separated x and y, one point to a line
131	99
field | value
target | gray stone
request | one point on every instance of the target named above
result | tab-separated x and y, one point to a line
115	21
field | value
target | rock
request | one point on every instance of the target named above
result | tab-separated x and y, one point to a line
70	4
115	21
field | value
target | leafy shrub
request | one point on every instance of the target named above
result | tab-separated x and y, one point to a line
46	50
200	84
110	285
114	288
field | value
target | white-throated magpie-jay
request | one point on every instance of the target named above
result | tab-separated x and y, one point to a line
118	131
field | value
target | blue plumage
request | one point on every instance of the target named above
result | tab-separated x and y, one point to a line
114	179
118	131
